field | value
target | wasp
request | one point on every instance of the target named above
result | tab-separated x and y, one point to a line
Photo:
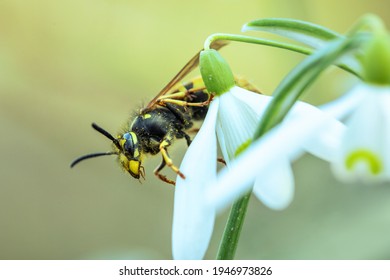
168	116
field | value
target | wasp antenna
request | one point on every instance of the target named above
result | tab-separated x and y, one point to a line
106	133
76	161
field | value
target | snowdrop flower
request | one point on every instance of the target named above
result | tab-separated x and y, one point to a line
364	151
357	151
232	119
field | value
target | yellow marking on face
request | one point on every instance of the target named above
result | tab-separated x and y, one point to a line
124	161
147	116
134	137
134	167
122	142
136	153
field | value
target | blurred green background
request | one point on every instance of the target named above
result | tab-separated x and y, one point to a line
65	64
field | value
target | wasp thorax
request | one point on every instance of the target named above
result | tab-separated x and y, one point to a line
129	155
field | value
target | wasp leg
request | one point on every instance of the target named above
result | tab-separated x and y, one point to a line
196	89
193	130
180	116
183	103
188	138
175	95
178	98
160	176
181	94
168	161
221	160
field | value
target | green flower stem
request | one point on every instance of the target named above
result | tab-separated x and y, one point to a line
231	234
271	43
254	40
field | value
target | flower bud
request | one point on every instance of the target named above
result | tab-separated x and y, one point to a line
216	73
376	60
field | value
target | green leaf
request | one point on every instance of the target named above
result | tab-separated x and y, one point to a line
307	33
310	34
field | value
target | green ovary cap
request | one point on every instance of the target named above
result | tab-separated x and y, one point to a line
376	59
216	73
372	160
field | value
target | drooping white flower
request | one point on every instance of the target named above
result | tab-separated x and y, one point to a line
364	153
233	116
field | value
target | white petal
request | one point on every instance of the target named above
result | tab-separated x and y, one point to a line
281	142
276	190
385	106
327	141
193	219
236	124
258	102
344	105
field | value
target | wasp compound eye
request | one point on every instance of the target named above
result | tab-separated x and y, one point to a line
130	145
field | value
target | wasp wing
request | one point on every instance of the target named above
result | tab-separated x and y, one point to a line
190	66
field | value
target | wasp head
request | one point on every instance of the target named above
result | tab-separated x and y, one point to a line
130	156
126	147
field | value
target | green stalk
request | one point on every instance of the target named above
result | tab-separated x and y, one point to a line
232	231
254	40
271	43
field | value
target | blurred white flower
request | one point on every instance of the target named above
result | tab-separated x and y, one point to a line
364	153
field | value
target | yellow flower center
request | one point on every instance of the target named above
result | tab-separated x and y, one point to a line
361	155
242	147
